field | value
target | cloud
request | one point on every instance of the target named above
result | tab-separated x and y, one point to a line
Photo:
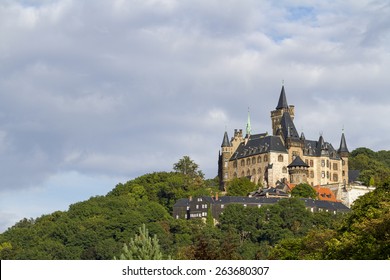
121	88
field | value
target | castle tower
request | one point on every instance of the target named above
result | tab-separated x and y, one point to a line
298	170
344	154
223	162
281	108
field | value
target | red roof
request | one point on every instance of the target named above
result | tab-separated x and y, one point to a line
325	194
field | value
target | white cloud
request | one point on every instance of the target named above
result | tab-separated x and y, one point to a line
120	88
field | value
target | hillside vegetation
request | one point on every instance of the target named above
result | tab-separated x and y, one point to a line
99	227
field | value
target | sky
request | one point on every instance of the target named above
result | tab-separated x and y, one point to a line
95	92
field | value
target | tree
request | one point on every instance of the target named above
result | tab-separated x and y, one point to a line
240	187
142	247
303	190
188	167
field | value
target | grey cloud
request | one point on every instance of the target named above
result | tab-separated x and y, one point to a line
101	86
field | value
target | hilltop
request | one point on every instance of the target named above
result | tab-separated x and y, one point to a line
97	228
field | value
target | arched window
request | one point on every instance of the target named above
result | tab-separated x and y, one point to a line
259	171
248	161
242	162
284	170
253	171
253	160
265	158
258	159
280	158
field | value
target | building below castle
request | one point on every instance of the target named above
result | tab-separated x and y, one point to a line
284	156
202	206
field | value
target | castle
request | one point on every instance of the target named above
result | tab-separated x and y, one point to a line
285	156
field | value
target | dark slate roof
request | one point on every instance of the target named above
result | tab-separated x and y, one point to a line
323	204
225	142
288	127
318	148
298	162
343	145
270	191
282	100
353	175
259	144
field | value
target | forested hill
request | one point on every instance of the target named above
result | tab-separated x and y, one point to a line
98	228
374	167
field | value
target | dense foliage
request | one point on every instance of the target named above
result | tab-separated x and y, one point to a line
374	167
240	187
304	190
99	227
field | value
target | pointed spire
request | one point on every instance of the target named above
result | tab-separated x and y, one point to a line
343	144
248	125
302	136
321	142
225	142
297	162
282	104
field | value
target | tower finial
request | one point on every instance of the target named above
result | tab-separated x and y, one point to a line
282	104
248	124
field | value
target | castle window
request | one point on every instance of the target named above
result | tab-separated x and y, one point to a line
323	174
343	173
343	162
327	174
259	171
311	163
248	161
307	161
335	167
226	163
284	170
253	171
235	164
280	158
242	162
327	163
253	160
258	159
335	177
265	158
323	163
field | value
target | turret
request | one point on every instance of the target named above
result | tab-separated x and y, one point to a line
298	170
344	153
343	150
281	108
223	160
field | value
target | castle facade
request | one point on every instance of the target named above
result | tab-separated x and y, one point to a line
284	156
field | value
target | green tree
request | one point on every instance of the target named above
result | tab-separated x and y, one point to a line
303	190
142	247
240	187
188	167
